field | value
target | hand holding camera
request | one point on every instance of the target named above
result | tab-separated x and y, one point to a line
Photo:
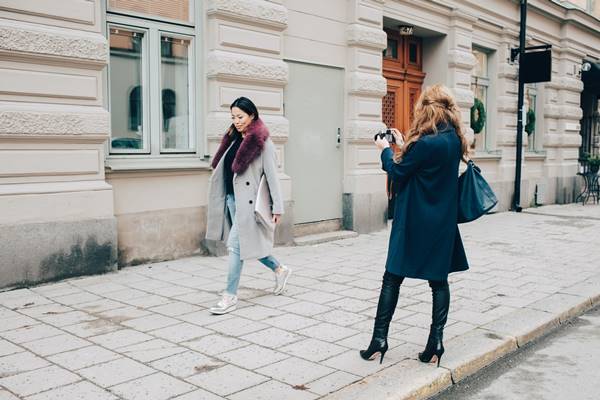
390	135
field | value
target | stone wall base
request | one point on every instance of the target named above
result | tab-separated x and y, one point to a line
47	251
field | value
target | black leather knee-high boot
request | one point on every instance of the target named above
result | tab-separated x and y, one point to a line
441	303
388	298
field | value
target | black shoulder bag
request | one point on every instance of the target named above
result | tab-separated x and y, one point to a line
475	196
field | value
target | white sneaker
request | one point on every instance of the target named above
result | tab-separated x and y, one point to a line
227	304
281	279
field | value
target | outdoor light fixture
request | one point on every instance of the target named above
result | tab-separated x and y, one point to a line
586	66
405	30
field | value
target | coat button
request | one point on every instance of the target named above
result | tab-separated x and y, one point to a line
250	201
247	183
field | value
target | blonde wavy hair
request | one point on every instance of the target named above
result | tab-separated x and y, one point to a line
435	106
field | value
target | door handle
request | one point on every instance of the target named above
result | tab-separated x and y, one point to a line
339	137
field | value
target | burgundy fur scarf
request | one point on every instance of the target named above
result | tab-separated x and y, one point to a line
250	148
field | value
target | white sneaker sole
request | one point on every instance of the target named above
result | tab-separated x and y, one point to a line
216	311
278	292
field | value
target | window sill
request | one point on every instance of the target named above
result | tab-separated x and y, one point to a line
486	155
118	164
535	155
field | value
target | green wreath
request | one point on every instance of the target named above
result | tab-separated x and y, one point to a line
530	124
477	116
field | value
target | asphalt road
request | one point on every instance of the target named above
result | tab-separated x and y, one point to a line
565	365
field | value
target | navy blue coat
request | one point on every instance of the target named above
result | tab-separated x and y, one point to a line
425	242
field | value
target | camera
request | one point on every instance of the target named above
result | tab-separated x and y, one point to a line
387	134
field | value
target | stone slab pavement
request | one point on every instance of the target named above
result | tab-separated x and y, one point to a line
145	331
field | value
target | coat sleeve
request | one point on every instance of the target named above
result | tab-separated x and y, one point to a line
411	162
270	170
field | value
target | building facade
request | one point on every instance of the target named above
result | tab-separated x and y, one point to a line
111	109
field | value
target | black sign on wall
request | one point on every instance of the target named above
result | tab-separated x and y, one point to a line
536	66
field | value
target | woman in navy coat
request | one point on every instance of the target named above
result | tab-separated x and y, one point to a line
424	242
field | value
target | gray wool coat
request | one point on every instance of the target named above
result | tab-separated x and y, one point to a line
255	240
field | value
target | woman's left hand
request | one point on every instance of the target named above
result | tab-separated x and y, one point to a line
381	143
276	218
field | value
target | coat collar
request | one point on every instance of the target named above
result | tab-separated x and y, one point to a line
250	148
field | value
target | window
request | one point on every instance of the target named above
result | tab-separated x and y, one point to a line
392	49
152	77
479	85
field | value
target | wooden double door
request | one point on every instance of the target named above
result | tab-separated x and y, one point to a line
403	70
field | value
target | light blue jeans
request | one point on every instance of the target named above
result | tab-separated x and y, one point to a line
233	244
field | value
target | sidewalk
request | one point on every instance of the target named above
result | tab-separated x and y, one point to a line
145	332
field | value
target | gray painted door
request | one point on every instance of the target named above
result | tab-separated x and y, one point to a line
314	106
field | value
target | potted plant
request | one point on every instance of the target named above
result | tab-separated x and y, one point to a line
593	162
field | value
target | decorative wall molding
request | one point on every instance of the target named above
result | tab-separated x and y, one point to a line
461	59
251	10
367	84
25	38
52	122
365	36
247	67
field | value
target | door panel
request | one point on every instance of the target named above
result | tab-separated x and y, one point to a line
314	106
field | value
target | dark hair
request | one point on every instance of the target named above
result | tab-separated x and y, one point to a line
247	106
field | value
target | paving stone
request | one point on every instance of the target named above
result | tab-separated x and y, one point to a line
328	332
77	391
565	305
150	322
275	302
236	326
122	338
7	348
99	305
215	344
273	390
290	322
351	305
76	298
28	383
17	322
257	312
151	350
187	364
92	328
252	357
199	394
20	362
68	318
181	332
4	395
295	371
175	308
343	318
55	344
158	386
273	338
226	380
351	362
84	357
203	318
332	383
306	308
114	372
31	333
313	349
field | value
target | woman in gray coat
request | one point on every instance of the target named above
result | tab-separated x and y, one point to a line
246	154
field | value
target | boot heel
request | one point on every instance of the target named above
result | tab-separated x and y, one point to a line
439	359
381	359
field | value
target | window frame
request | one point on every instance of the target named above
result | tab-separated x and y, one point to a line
145	93
483	81
194	157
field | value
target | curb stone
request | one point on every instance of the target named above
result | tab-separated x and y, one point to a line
469	353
